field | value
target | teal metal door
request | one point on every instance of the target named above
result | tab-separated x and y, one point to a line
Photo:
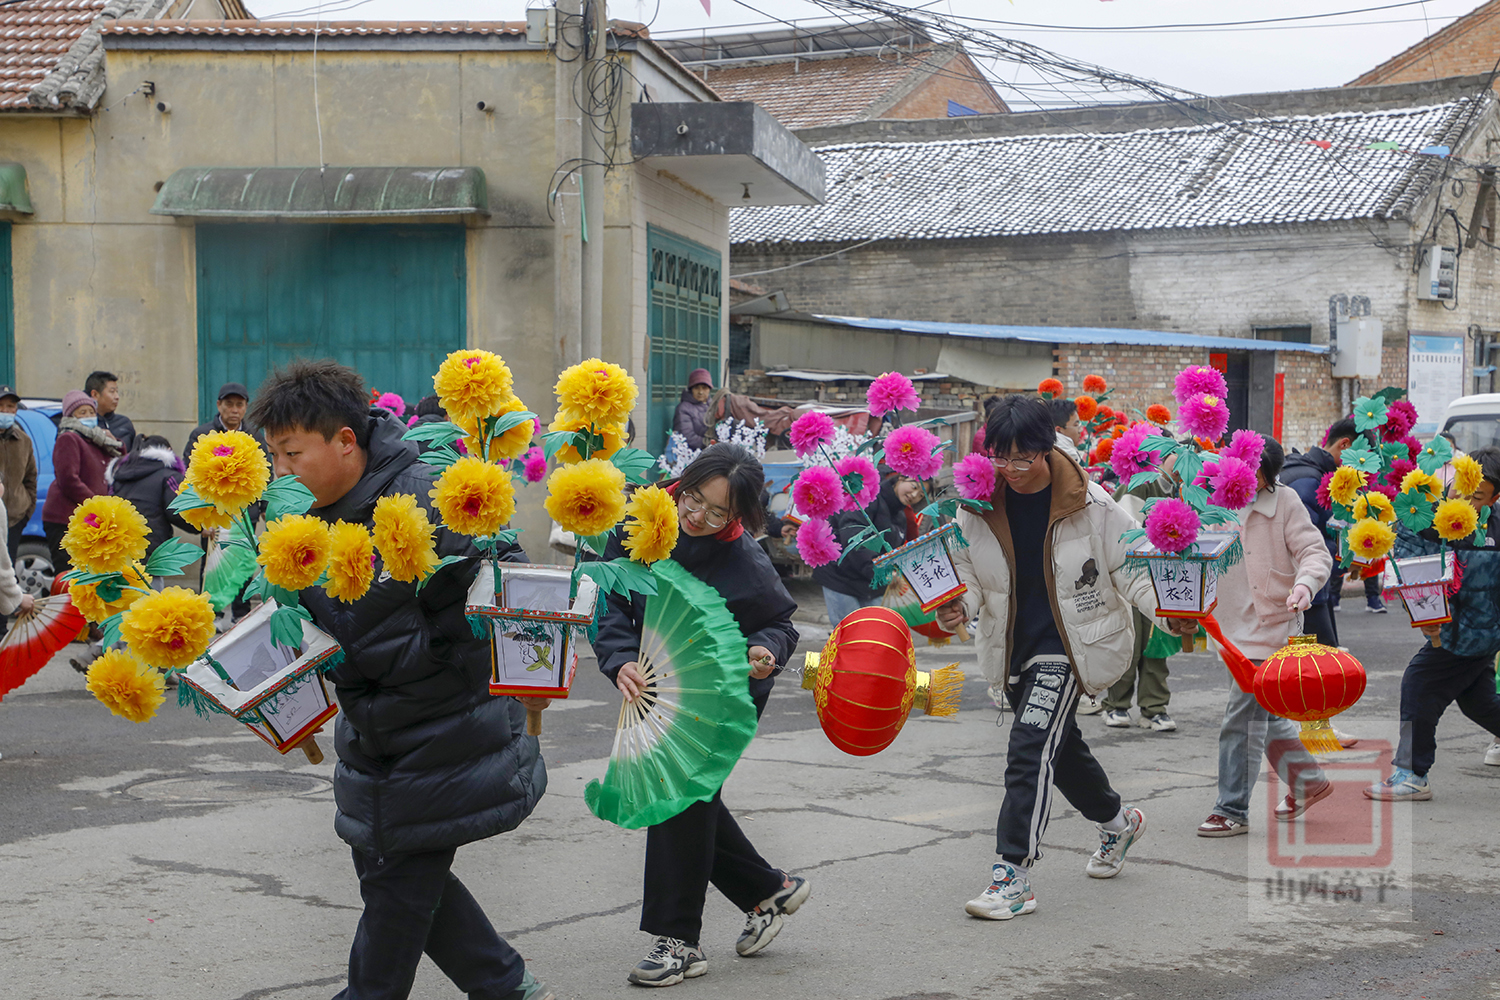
683	323
389	301
7	311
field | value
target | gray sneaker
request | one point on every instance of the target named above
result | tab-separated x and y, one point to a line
1117	719
1107	861
1161	722
763	923
669	962
1009	895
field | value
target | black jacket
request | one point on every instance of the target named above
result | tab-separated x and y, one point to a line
1303	473
120	426
149	480
217	424
743	575
854	575
427	759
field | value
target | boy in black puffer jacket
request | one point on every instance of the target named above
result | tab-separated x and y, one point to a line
428	760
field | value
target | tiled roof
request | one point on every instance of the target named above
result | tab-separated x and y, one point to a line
817	91
50	54
263	29
1255	171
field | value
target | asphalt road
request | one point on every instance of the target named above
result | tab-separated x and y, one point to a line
183	858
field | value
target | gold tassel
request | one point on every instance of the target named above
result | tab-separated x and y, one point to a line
809	671
938	642
940	692
1318	737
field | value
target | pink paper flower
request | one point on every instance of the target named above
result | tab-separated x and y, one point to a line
391	401
1325	499
974	477
1232	481
1172	525
1400	418
1413	447
1386	488
1398	469
891	391
818	492
1127	457
909	451
1204	415
869	488
1196	380
816	544
1247	446
535	468
412	420
809	431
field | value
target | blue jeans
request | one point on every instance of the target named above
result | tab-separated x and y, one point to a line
840	605
1249	730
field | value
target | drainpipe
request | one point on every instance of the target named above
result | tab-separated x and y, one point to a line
596	151
567	138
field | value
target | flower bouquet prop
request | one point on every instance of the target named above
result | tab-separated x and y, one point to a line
1097	417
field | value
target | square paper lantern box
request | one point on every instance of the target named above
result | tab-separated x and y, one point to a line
1187	583
927	564
1422	583
533	626
279	693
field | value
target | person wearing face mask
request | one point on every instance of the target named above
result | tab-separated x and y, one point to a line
17	470
79	457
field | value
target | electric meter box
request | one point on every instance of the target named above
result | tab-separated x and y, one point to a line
1437	278
1359	343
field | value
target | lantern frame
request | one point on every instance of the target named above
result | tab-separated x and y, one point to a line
1422	582
282	706
526	605
1186	583
927	564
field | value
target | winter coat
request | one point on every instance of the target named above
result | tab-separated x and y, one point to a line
78	473
1475	607
855	574
120	426
149	480
428	760
217	424
1090	588
691	419
18	472
1282	549
1304	473
1065	443
737	567
10	588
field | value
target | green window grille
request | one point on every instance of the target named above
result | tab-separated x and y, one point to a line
7	311
686	302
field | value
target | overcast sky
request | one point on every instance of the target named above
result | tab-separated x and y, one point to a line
1293	55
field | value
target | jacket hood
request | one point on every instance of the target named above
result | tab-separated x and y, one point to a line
1313	458
386	457
132	468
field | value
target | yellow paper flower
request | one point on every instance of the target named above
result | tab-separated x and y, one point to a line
1376	505
597	392
351	564
652	532
1467	475
294	549
1345	484
587	498
404	537
203	518
229	470
1419	481
125	686
613	435
106	535
1370	539
169	629
474	497
1455	520
472	384
95	608
511	444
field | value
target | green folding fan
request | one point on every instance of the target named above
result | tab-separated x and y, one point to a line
679	740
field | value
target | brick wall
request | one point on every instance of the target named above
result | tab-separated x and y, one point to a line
1310	399
938	395
958	80
1468	45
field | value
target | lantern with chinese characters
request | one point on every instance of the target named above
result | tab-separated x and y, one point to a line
865	682
277	691
1310	683
900	598
1423	583
927	564
1187	583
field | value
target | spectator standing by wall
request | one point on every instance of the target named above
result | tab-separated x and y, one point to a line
234	399
17	470
79	457
691	418
149	477
103	389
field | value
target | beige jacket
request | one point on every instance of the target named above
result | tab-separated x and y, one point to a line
1282	549
1091	591
10	590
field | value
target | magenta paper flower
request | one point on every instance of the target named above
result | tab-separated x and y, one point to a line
1172	525
1400	418
391	401
1196	380
818	492
1413	447
974	477
1204	416
1232	481
891	391
1325	498
1247	446
909	450
1128	458
809	431
816	544
1398	469
1386	488
869	488
535	466
412	421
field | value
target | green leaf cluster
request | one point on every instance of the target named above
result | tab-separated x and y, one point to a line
621	576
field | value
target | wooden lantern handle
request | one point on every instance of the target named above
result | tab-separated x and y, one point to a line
963	632
1187	643
533	722
314	752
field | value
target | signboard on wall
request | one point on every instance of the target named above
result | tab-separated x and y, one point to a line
1434	377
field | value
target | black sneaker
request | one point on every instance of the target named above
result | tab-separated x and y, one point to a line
669	962
763	923
531	989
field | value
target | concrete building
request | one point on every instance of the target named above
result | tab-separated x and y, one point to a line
1262	217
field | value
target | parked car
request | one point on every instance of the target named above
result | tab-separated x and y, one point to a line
33	562
1474	421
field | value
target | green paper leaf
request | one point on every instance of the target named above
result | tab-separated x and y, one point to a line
1390	394
938	508
438	432
1189	463
111	629
1142	478
495	426
1434	455
109	591
286	495
171	557
286	626
1219	515
975	505
1196	496
634	462
870	445
440	457
445	561
1132	537
1369	413
595	543
188	499
635	577
555	441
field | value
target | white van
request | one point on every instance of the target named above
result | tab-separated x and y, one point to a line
1474	421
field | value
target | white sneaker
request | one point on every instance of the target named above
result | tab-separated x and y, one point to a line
1009	895
1492	755
1161	722
1090	705
1119	720
1107	861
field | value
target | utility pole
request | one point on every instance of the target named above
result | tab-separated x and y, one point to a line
567	210
596	152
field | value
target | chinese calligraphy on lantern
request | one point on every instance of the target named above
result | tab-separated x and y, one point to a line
930	572
1184	585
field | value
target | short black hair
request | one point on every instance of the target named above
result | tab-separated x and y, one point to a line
98	380
1488	458
1062	410
431	406
746	481
1272	458
144	441
1022	421
322	396
1340	429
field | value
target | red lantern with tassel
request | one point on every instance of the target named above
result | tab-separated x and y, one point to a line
1310	683
865	682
